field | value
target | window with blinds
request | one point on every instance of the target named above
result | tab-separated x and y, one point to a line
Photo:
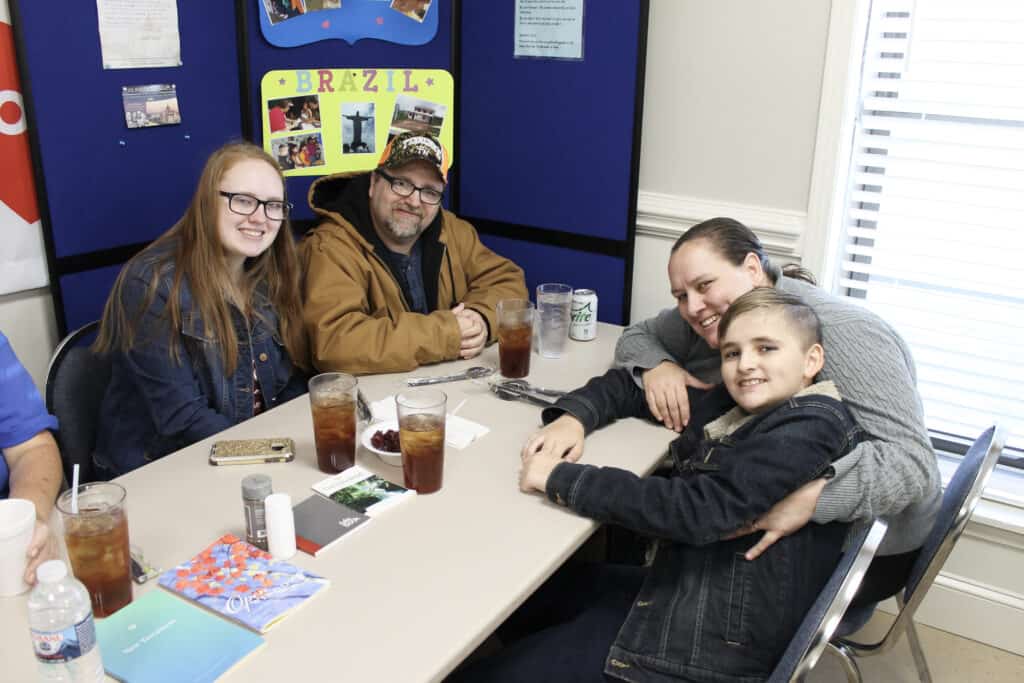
933	230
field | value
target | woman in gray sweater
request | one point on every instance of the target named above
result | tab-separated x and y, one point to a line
892	475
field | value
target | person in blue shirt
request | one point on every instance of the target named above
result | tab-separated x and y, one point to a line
29	460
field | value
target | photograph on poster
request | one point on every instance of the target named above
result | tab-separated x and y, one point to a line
294	113
280	10
412	113
357	128
414	9
150	105
299	151
317	5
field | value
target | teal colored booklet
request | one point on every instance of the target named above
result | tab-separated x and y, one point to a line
160	638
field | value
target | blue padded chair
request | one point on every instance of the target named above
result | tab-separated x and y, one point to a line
75	383
958	502
821	620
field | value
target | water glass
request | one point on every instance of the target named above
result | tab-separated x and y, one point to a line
554	310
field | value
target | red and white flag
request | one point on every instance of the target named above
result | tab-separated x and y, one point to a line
22	257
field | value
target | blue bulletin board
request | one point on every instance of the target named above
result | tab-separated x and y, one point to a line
546	150
104	189
549	149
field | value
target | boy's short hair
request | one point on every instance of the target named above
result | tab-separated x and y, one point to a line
798	313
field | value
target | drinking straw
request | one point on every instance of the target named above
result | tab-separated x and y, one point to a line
74	490
461	403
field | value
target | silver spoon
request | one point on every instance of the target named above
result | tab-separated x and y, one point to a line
475	372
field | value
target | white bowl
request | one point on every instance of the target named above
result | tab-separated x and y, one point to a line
367	439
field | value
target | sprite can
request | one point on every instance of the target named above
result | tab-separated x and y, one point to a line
584	315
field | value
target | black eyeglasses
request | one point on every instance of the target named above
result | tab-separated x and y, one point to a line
403	188
246	205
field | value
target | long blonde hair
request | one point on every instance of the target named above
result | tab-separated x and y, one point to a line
193	248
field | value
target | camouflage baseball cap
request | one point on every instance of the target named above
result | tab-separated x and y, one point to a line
412	145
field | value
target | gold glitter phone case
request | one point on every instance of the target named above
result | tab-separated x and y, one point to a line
252	451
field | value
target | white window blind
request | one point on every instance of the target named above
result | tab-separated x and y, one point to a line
933	231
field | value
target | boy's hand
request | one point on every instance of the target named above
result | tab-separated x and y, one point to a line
533	476
562	438
665	389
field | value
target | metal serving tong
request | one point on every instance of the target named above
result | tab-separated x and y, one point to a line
523	385
521	390
507	393
475	372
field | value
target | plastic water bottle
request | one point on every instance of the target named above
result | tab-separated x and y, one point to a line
63	631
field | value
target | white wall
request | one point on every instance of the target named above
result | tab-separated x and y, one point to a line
731	99
731	109
26	318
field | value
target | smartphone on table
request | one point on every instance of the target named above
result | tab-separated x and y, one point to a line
252	451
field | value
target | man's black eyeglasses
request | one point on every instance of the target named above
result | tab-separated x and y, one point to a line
403	188
245	205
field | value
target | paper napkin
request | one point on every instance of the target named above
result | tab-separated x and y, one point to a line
458	431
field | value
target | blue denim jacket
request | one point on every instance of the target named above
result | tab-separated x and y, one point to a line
155	405
705	613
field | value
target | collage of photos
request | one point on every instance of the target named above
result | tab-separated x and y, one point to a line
282	10
341	131
296	114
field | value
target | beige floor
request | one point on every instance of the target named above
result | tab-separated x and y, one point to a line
951	659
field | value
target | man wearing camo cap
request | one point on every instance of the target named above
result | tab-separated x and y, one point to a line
392	280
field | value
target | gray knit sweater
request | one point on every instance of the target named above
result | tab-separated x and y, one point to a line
894	475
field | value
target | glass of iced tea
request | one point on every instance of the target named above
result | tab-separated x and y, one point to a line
96	535
421	416
515	334
332	397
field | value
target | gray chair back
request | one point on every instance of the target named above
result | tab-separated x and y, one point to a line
75	383
958	502
821	620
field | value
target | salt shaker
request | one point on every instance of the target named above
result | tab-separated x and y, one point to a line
255	489
280	526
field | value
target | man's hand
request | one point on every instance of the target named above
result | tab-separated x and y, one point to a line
788	515
665	389
43	547
533	476
473	330
563	438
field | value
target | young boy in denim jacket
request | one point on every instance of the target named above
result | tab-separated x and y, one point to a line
703	612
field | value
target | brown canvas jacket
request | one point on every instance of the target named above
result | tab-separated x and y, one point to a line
354	310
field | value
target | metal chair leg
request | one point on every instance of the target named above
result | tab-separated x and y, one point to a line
915	647
847	661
